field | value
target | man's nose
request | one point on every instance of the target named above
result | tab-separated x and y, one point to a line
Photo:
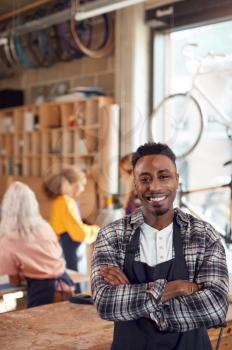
155	185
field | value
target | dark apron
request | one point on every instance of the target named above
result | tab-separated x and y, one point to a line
143	334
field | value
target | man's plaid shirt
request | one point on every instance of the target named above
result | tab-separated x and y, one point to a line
206	263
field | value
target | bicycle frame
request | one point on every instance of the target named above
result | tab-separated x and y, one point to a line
224	119
226	235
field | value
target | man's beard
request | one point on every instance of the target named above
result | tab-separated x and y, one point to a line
160	212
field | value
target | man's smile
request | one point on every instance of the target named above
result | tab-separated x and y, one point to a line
155	198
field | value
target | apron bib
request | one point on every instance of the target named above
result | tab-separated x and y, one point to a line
143	334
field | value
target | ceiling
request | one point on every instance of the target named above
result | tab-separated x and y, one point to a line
12	8
11	5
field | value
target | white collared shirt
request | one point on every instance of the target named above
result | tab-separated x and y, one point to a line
155	245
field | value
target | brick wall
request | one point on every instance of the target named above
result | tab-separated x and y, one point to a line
82	72
79	72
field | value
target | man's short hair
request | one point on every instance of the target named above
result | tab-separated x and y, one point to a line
151	148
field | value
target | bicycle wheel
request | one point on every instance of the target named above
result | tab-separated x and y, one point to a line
20	42
104	25
178	121
43	47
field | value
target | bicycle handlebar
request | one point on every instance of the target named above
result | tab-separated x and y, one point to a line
200	59
225	235
187	45
227	163
205	189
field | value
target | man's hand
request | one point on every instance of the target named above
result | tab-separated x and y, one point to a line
113	275
179	288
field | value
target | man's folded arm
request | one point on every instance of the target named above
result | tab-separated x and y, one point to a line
205	308
123	302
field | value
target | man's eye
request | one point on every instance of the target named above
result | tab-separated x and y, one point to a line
164	177
144	180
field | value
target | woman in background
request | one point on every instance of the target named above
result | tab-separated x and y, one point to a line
130	201
65	187
29	247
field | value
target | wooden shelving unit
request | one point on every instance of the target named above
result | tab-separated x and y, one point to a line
39	138
34	139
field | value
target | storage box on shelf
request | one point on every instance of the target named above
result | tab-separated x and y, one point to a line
38	138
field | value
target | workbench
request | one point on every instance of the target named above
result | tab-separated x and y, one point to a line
66	326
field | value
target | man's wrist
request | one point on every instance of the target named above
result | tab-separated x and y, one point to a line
156	289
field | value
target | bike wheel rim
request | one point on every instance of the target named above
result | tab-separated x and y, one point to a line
181	132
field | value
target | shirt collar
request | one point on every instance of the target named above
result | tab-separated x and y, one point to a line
182	218
137	218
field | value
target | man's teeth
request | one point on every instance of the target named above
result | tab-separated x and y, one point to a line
156	199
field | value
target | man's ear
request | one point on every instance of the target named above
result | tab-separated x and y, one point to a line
177	179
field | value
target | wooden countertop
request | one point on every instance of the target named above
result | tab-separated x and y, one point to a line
66	326
62	326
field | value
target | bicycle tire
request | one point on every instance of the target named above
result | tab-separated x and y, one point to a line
105	48
20	41
6	71
55	37
67	41
8	53
42	48
18	65
13	62
181	145
6	66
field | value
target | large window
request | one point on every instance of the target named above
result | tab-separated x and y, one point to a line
215	78
176	59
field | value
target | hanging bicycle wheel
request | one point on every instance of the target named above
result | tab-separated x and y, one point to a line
101	45
178	121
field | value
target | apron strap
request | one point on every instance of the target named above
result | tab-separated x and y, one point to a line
178	248
131	249
177	239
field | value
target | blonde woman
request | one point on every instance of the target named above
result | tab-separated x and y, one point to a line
29	246
65	188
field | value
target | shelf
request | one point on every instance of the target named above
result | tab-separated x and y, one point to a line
91	126
36	138
87	155
30	155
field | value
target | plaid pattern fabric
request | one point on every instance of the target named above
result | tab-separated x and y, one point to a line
206	264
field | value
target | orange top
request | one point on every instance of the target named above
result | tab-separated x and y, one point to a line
65	218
